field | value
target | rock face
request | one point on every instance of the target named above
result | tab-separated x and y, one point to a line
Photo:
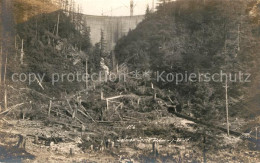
113	27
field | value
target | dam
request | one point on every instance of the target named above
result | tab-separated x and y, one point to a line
113	27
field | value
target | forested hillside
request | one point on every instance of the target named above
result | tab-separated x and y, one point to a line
49	49
201	37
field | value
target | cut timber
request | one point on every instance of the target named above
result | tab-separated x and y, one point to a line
5	102
69	106
120	96
102	95
49	111
40	84
115	97
86	115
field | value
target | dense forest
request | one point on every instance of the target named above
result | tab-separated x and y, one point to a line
198	36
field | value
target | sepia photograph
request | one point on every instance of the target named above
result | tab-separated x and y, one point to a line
129	81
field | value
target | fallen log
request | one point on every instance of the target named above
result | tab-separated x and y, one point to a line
86	115
203	123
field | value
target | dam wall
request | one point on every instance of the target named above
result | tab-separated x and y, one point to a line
114	28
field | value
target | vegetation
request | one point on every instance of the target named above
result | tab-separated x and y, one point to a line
198	36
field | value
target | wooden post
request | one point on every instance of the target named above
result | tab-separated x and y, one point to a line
49	111
101	95
226	89
107	104
152	85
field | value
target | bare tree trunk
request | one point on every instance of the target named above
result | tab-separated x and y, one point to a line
5	98
86	74
58	22
5	102
226	88
256	134
113	60
15	46
36	24
238	38
1	57
22	54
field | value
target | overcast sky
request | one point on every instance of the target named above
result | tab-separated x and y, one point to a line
119	7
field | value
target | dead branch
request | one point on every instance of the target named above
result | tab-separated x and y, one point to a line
11	108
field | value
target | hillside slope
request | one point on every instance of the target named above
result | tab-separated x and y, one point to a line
26	9
197	37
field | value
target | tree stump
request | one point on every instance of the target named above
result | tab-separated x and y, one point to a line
36	139
155	149
22	142
71	152
91	147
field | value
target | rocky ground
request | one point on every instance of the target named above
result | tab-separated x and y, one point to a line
73	145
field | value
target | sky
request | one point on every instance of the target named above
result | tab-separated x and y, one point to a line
119	7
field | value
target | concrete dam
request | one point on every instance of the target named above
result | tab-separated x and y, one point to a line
114	28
